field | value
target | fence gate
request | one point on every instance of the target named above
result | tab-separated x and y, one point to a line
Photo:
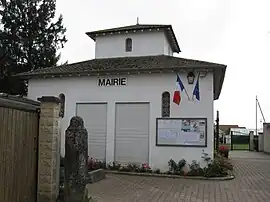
19	122
240	141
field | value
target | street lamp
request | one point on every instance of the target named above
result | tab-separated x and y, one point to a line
191	77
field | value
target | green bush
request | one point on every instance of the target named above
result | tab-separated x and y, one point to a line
195	169
94	164
224	150
125	168
113	166
144	168
219	167
157	171
176	167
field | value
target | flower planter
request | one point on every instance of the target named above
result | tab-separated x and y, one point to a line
171	175
96	175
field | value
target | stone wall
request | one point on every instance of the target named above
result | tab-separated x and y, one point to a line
49	150
251	139
260	142
266	137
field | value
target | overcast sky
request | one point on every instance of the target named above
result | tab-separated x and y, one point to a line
231	32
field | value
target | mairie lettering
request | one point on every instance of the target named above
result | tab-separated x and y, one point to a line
112	82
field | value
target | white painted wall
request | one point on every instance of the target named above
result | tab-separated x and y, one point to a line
143	88
143	43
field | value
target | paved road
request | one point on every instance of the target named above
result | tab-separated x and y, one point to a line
252	184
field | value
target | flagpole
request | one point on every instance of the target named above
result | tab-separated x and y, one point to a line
256	129
184	89
195	86
187	93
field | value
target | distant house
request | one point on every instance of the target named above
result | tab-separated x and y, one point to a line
227	128
239	131
225	132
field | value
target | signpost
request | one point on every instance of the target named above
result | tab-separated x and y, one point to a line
217	131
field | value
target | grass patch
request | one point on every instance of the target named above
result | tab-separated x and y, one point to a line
238	146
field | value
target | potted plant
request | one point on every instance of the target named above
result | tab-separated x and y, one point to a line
224	150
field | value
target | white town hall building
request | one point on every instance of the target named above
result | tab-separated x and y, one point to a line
139	103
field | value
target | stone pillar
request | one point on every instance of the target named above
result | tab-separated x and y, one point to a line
266	137
48	155
251	138
260	142
76	156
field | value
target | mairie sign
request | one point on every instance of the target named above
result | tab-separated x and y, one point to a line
112	81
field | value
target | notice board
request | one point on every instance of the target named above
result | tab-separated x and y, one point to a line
186	132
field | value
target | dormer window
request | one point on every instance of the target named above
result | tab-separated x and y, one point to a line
128	45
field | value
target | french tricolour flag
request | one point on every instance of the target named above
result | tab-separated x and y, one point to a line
177	93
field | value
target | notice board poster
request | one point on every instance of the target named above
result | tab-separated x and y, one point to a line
188	132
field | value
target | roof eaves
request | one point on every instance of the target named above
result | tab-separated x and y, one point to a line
174	44
167	29
222	72
174	68
93	34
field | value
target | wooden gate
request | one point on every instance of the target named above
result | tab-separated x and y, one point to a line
19	120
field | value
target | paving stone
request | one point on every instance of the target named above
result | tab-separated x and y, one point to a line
252	183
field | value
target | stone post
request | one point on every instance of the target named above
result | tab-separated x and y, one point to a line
266	137
48	155
76	156
251	138
260	139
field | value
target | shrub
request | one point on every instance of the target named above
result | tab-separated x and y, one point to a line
145	168
130	167
157	171
133	166
94	164
114	166
169	173
219	167
195	169
125	168
172	165
224	150
176	167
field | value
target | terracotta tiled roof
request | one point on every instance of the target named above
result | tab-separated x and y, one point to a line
169	33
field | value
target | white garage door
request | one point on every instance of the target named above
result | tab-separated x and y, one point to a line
132	133
95	121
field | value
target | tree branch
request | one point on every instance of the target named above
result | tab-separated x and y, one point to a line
3	2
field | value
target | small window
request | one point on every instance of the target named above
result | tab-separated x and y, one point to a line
62	105
169	50
165	104
128	45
